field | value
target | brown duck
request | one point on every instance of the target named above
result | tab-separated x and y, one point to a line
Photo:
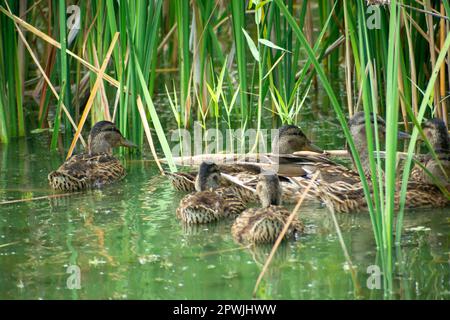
95	168
288	139
210	202
264	225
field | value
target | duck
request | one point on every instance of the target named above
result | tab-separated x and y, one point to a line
210	202
347	195
436	133
96	167
336	173
336	184
264	224
287	140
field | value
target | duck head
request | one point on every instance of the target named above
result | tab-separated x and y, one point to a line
436	133
269	190
357	125
105	136
208	177
289	139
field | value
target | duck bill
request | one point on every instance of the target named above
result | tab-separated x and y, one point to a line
403	135
312	147
127	143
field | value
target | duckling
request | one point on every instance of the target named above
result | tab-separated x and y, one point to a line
210	202
436	133
95	168
264	225
289	139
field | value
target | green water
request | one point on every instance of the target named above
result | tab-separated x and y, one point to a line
127	243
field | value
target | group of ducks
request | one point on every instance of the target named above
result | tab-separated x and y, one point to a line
221	191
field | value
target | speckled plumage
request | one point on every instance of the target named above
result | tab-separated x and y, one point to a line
349	198
264	225
347	195
95	168
436	132
84	171
209	206
210	202
288	140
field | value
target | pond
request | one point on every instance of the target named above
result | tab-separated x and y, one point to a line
127	244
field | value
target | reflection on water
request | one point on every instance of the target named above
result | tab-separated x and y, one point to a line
128	244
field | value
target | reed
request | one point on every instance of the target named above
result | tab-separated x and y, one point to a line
271	61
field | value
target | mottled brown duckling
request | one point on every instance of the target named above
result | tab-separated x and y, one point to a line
436	133
210	202
289	139
264	225
95	168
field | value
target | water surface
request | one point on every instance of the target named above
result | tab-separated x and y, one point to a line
128	244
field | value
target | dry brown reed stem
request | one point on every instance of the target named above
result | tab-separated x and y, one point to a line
148	133
442	72
434	14
92	96
42	86
421	31
36	61
430	35
39	198
55	43
8	244
283	232
402	102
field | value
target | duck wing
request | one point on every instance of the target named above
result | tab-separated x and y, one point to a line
83	171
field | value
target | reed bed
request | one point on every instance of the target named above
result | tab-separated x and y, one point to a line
244	60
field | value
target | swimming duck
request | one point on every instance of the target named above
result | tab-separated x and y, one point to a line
436	133
95	168
264	225
210	202
347	195
288	139
336	183
333	173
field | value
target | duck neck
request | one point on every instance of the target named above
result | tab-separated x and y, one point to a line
268	198
203	183
96	146
199	184
361	148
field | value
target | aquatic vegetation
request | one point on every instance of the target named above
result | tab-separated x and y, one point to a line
236	64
